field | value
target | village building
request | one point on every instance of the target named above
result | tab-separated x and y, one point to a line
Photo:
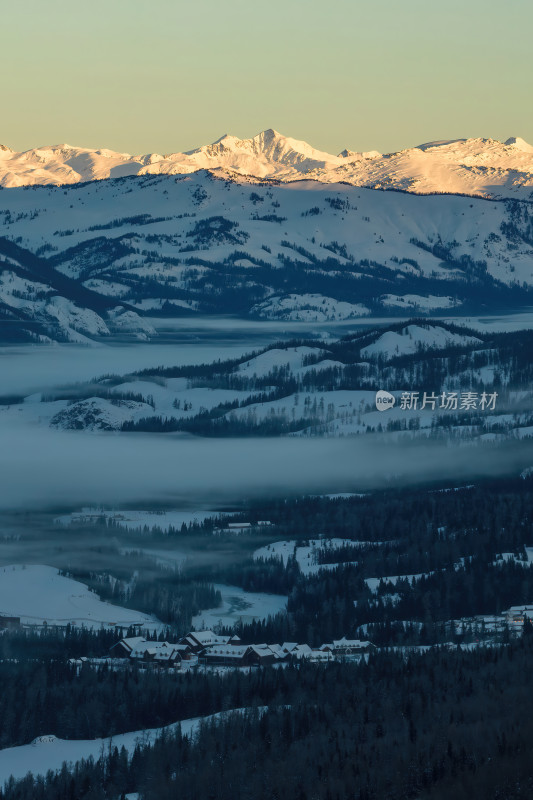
348	647
141	651
264	654
301	651
209	648
317	654
160	653
124	648
240	655
278	650
227	655
198	640
516	615
288	647
237	527
242	527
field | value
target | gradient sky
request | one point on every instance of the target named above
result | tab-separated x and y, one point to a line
165	75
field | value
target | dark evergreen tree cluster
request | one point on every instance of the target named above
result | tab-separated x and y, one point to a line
446	724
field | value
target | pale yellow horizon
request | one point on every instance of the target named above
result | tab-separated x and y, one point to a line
171	76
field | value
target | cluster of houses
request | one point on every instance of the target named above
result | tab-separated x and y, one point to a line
517	615
512	621
243	527
208	648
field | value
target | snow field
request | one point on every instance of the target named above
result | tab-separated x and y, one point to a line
49	753
39	595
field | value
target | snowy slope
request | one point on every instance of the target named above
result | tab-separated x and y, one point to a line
49	753
117	250
308	308
483	167
318	388
276	359
39	303
307	556
413	339
138	520
99	414
38	594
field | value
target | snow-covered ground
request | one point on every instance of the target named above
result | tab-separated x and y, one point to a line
44	466
39	594
238	605
122	244
337	412
98	413
137	520
307	555
416	301
414	338
49	752
308	308
276	359
348	405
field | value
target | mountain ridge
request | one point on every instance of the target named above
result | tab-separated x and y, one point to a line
163	246
481	167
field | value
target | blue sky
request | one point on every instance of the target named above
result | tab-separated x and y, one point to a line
167	75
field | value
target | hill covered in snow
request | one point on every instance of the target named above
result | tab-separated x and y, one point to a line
446	380
482	167
95	259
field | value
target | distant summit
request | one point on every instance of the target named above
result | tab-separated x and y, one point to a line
520	144
481	167
351	154
267	154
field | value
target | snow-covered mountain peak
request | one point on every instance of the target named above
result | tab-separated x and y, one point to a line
491	152
268	148
225	142
439	143
520	144
278	147
475	166
353	155
58	150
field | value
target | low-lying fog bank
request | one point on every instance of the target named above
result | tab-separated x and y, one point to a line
41	468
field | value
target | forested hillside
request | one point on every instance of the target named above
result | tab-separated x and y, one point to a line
94	259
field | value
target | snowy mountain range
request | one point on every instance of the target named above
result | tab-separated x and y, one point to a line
480	167
97	258
93	242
